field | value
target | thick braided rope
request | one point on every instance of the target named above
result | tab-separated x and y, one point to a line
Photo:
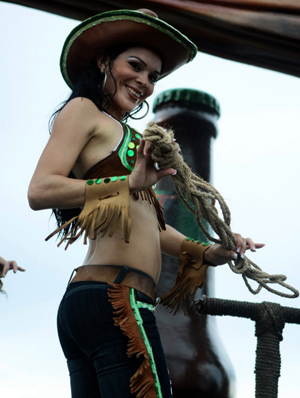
201	199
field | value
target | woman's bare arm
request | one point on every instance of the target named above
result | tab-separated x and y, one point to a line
171	240
50	186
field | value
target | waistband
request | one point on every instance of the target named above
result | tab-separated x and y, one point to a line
118	274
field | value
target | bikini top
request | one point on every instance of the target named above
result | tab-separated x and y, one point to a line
97	215
121	162
122	159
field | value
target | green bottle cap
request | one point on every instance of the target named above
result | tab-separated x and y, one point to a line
190	97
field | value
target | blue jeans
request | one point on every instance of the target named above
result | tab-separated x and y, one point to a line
95	349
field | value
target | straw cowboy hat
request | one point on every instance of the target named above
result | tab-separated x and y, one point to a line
113	28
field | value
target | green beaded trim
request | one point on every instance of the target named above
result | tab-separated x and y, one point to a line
106	180
197	241
128	148
135	305
124	148
149	307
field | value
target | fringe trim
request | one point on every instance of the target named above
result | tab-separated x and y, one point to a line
150	196
142	382
191	276
102	220
101	214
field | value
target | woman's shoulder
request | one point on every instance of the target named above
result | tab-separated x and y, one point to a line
80	110
80	104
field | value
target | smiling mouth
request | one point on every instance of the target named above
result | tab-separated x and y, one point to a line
133	92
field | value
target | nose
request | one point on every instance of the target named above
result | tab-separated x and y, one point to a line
142	80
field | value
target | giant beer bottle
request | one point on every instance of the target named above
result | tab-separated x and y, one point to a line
198	365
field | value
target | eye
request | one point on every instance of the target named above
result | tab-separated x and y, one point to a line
135	65
153	78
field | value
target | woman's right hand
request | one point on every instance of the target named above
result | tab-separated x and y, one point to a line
145	174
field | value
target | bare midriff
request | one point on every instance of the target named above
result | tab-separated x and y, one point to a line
143	250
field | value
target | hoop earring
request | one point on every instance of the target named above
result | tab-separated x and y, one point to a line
142	105
102	84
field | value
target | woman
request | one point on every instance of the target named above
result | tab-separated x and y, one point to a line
97	173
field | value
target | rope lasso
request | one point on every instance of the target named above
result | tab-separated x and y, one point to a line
201	199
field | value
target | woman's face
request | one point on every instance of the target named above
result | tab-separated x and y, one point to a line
136	71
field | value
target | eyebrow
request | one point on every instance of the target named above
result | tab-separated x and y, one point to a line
144	63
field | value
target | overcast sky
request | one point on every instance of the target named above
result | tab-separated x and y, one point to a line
255	167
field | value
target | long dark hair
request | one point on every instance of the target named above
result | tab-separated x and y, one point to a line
1	287
90	85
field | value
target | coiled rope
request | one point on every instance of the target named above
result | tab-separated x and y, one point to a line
201	199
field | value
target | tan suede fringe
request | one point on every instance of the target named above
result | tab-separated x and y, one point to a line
142	382
150	196
105	206
191	275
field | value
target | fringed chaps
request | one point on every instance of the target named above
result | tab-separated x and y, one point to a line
142	383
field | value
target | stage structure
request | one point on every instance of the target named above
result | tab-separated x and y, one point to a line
263	33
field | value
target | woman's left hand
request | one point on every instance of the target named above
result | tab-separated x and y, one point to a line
217	255
145	174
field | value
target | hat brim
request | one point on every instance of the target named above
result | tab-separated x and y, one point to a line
113	28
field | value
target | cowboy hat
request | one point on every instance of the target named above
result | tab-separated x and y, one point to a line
113	28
